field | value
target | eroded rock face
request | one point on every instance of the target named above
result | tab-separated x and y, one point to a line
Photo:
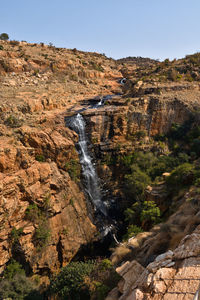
119	120
173	275
26	181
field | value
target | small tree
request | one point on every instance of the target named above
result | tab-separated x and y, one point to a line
150	213
4	36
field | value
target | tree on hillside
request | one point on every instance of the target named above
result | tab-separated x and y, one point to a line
4	36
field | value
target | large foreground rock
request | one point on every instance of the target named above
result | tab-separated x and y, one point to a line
173	275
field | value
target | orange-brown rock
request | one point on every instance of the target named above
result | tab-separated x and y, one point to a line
68	221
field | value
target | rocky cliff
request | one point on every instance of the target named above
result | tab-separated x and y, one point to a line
44	213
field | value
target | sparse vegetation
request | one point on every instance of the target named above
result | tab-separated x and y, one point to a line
15	234
39	216
97	67
42	235
13	121
14	43
74	169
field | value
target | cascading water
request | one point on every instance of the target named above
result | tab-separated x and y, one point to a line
91	179
105	210
123	81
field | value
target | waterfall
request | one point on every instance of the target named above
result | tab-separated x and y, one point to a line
123	81
89	173
102	101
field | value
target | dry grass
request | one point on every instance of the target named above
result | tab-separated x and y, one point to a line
120	254
175	240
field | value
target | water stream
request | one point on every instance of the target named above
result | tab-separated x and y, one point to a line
92	184
103	210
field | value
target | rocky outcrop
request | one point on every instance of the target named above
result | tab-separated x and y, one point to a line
34	177
173	274
121	118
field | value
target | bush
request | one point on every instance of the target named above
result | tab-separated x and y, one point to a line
15	234
136	183
182	175
19	288
172	75
14	43
39	216
1	47
33	213
12	269
4	36
132	214
85	280
13	122
132	231
97	67
180	131
42	235
70	282
40	158
150	212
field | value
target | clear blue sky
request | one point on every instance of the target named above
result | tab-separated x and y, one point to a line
150	28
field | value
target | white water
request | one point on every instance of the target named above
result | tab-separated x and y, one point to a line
102	101
89	172
123	81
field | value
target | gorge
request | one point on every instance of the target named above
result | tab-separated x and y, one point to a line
76	165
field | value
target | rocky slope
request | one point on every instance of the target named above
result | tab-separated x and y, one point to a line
173	274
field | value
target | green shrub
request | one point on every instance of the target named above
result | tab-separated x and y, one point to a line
140	134
150	212
42	235
180	131
85	280
13	121
132	231
136	182
97	67
70	282
4	36
15	234
73	77
105	264
12	269
182	175
132	214
1	47
40	158
195	147
14	43
33	213
39	216
19	288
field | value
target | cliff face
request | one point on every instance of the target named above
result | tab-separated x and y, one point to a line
45	183
121	118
